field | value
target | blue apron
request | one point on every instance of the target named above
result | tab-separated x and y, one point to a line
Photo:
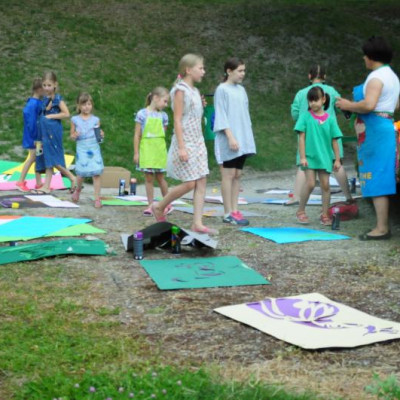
376	151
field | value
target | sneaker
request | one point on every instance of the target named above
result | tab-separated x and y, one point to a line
236	218
21	186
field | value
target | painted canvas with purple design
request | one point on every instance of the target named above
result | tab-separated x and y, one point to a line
313	321
191	273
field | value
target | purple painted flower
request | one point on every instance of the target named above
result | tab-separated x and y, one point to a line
92	389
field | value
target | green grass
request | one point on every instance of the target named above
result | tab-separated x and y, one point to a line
119	50
55	343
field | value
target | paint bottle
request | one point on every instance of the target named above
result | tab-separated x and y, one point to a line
39	148
175	240
121	190
97	132
138	245
335	219
353	185
133	186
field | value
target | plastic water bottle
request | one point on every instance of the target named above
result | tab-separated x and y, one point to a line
138	245
175	240
97	132
133	186
335	219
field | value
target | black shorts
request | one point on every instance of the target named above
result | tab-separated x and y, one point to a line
237	162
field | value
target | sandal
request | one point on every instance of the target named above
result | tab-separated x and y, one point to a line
40	191
325	220
21	186
205	230
168	209
302	217
73	187
97	203
159	218
75	195
147	212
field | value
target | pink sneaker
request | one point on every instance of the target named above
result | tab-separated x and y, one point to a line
21	186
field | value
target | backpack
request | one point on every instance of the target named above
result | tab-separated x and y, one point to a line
346	211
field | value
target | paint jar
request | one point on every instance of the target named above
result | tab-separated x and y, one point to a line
175	240
138	245
133	186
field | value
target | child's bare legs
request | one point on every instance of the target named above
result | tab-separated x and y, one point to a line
299	182
227	178
341	177
149	185
175	193
162	183
306	189
325	189
198	204
31	159
96	185
47	181
66	172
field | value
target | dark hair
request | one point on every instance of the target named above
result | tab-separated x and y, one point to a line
37	84
231	63
317	71
316	93
377	49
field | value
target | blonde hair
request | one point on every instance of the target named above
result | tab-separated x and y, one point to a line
188	61
37	84
158	91
50	76
82	99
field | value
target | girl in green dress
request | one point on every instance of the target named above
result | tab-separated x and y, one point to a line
318	133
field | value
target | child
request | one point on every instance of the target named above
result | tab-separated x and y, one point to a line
30	114
234	140
318	134
187	156
53	111
150	151
89	162
317	77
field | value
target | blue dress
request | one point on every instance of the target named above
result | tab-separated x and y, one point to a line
51	135
88	155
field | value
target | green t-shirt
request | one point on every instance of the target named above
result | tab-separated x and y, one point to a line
318	140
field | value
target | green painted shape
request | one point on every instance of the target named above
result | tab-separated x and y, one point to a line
191	273
76	230
35	251
119	202
6	165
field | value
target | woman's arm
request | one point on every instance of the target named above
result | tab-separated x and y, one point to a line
372	94
136	142
178	113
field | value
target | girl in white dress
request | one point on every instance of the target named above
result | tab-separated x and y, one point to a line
187	155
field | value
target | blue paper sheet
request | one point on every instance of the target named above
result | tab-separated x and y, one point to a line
293	234
37	226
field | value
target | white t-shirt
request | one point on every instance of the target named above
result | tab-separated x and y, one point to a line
390	91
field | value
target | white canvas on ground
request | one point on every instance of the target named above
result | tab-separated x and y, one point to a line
313	321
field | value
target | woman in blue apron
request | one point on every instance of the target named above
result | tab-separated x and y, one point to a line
374	104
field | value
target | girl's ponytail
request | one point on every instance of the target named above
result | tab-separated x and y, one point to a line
148	100
327	101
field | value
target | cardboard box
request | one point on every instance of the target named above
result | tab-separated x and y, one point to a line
111	176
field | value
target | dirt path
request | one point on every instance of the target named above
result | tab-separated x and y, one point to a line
182	327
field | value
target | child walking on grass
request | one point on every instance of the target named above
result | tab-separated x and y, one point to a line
30	114
89	162
50	135
234	140
187	156
149	147
318	135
